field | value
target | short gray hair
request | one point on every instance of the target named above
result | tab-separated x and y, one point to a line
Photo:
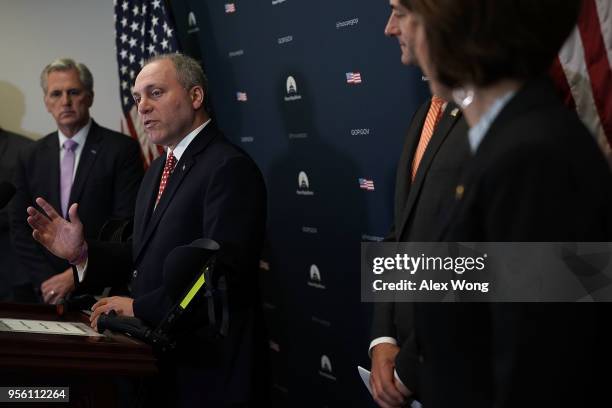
189	73
67	64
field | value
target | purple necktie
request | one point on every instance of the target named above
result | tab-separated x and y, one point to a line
66	171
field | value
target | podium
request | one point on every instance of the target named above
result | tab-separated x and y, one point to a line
90	366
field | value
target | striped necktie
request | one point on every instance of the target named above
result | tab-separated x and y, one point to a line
433	116
168	169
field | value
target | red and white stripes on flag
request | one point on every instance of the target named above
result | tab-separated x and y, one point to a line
143	28
583	71
366	184
353	78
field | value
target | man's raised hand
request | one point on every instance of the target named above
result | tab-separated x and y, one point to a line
61	237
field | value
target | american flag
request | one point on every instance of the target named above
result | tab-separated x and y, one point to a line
366	184
142	30
583	73
241	96
230	8
353	78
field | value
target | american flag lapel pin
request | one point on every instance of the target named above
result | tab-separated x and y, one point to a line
455	112
459	191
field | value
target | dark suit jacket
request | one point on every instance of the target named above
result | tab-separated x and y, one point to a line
420	209
108	175
537	176
216	191
10	146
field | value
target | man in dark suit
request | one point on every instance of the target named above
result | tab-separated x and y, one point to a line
81	162
10	146
435	151
203	186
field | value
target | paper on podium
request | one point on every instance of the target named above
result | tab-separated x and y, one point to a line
46	327
365	377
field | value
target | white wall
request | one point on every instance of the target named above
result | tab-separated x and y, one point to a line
33	33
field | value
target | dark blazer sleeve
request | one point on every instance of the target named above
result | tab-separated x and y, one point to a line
382	317
31	256
407	360
382	320
392	319
108	264
128	175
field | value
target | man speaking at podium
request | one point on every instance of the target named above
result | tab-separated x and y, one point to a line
203	187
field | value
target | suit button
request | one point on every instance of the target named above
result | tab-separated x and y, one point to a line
421	358
134	274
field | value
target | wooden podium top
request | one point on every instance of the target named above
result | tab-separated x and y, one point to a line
39	353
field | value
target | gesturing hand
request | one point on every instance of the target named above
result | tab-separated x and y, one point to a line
61	237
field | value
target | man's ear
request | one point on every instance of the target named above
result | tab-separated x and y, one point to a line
46	101
91	98
197	97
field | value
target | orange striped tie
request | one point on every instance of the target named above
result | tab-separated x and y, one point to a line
433	116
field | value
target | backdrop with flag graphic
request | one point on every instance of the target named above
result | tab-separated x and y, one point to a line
142	29
241	96
353	78
582	70
366	184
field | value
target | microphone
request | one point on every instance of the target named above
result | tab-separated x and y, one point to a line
184	264
133	327
187	275
187	280
7	191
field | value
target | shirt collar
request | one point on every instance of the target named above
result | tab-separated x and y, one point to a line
180	148
477	133
80	137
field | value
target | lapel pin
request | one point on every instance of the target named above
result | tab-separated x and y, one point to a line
93	151
183	167
459	190
455	112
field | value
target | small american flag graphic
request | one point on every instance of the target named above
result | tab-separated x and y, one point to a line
241	96
353	78
366	184
230	8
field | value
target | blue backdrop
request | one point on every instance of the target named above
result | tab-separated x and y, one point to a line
316	93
